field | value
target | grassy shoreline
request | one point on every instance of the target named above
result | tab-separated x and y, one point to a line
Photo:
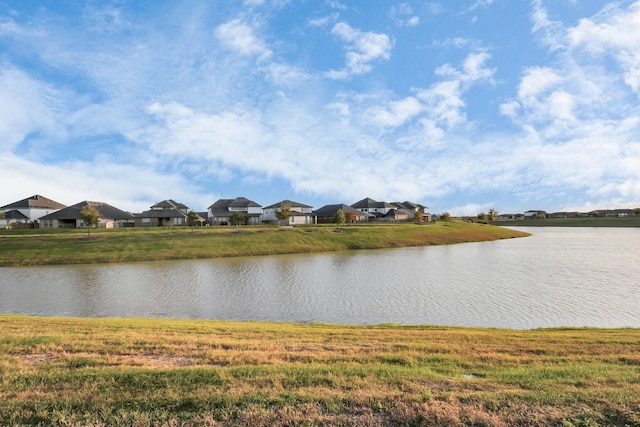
628	222
67	371
48	247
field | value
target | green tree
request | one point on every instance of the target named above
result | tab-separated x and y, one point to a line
446	217
90	216
636	211
284	213
417	215
482	217
237	219
339	219
193	218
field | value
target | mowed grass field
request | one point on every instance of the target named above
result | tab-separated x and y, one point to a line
42	247
140	372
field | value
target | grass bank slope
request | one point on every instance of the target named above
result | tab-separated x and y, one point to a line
76	372
41	247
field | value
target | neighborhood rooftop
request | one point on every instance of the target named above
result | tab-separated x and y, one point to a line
43	212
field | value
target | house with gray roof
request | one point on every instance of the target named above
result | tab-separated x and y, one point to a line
325	214
167	213
28	210
301	214
110	217
383	211
222	209
413	209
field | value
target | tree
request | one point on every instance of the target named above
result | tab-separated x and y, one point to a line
493	214
236	218
446	217
90	216
636	211
193	218
284	213
339	219
417	215
482	217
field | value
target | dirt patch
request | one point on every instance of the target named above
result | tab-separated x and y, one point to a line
159	360
152	361
37	359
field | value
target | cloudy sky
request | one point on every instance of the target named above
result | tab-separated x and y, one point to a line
462	106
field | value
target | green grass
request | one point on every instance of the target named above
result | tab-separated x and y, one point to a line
41	247
73	372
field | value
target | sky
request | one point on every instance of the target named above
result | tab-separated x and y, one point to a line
463	106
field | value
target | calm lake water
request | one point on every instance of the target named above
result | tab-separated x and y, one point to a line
557	277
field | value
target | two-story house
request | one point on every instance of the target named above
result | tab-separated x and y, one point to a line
301	214
167	213
220	211
412	210
381	211
28	210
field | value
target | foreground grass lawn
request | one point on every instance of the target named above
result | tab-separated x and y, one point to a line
73	372
40	247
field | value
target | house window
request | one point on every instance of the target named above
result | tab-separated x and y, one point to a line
146	220
177	221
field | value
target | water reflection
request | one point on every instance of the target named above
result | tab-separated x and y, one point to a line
557	277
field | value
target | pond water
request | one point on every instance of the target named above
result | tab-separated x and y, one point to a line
557	277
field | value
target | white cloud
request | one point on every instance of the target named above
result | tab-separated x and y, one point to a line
444	103
480	3
183	116
614	33
551	32
241	37
397	114
363	48
27	107
403	15
129	187
323	21
472	69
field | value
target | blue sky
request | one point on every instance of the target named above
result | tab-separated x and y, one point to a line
462	106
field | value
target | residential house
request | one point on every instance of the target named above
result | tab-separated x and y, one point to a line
14	219
535	214
28	210
410	209
326	213
509	217
619	213
301	214
110	217
373	209
222	209
167	213
566	215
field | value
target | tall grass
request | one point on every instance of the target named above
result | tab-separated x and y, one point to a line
56	371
